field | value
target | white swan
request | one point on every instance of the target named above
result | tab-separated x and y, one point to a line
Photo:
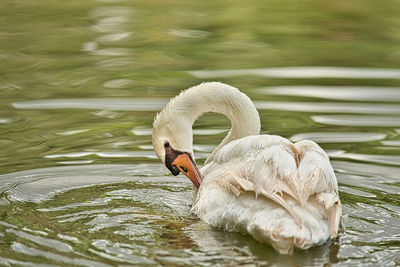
280	192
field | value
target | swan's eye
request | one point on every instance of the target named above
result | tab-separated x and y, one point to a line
183	169
166	144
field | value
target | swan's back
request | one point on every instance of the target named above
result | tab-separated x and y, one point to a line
282	193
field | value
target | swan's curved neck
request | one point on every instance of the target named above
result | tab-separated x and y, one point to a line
218	98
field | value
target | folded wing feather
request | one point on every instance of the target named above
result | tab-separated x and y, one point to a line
273	167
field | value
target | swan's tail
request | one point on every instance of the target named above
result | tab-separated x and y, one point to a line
284	234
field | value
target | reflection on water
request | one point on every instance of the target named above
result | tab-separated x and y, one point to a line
81	82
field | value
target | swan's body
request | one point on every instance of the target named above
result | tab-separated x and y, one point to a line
281	193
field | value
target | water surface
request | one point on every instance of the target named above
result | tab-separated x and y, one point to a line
80	85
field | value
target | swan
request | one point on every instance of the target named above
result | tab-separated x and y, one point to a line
279	192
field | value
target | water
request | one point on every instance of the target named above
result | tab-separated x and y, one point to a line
80	85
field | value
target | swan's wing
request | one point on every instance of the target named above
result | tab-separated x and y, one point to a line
273	173
263	164
315	171
273	167
316	177
297	177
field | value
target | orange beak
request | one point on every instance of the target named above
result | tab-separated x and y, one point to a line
185	164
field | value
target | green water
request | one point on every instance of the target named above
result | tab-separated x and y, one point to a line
82	80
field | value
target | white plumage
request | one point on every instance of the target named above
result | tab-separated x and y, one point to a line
280	192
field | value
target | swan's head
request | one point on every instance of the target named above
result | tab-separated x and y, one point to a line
172	142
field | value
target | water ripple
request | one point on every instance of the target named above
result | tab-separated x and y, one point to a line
114	37
303	72
47	242
384	174
189	33
373	158
330	107
118	252
338	137
5	120
105	154
155	104
30	251
355	120
391	142
117	83
137	104
41	184
355	93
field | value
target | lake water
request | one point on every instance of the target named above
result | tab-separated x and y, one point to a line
82	80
